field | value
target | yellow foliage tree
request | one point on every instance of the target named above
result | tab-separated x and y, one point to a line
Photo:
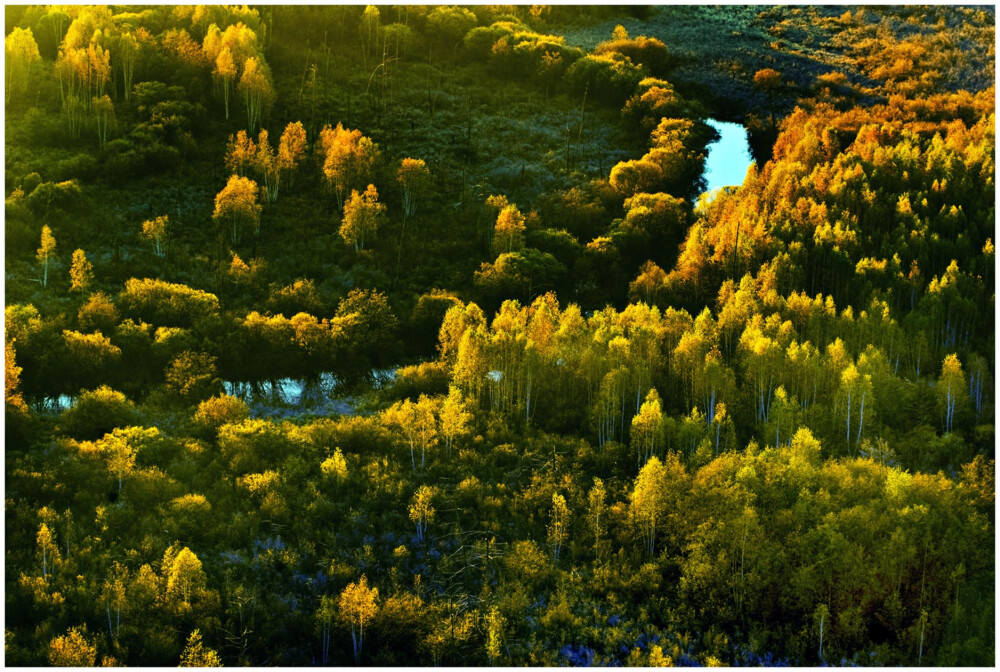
12	379
363	215
225	72
184	575
413	176
81	272
196	654
291	149
508	233
648	500
155	231
237	206
422	509
348	158
46	251
257	91
358	606
72	649
558	524
647	428
22	51
335	466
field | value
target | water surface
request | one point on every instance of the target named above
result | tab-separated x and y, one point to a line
728	158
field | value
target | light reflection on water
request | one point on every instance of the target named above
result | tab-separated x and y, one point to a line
728	159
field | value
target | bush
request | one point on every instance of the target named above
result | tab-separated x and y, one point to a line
299	297
611	78
81	166
448	24
220	410
96	413
30	181
520	274
399	35
159	302
430	378
65	196
129	159
192	376
654	100
643	51
98	313
425	320
253	445
479	41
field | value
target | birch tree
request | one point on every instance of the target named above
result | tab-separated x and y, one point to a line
46	252
358	606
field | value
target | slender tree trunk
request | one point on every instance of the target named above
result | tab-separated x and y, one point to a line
920	652
821	619
848	418
861	421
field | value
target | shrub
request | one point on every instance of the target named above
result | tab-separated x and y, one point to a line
643	51
192	376
611	78
448	24
479	41
430	378
220	410
64	196
654	100
96	413
98	313
159	302
425	320
299	297
253	445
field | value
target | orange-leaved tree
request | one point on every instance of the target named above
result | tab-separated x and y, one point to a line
363	215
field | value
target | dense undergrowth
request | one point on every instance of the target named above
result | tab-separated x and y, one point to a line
630	423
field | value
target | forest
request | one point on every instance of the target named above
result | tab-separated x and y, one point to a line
295	250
